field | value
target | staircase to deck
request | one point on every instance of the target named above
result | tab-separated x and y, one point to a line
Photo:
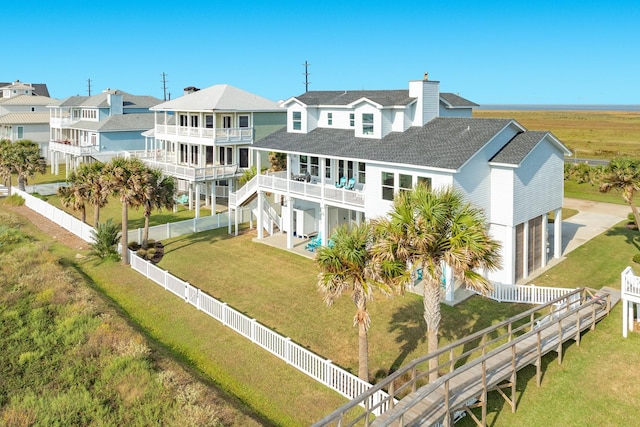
485	361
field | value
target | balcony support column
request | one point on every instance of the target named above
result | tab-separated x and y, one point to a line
213	197
290	221
324	223
557	233
260	219
197	201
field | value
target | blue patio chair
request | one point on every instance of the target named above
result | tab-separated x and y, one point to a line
350	184
342	182
314	243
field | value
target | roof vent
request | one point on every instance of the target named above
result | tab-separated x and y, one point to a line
426	76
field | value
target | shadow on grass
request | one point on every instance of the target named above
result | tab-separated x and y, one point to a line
209	236
632	236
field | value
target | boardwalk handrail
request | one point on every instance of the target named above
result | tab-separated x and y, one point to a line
445	380
533	314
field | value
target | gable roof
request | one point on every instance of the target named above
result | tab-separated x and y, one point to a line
516	150
71	101
118	123
451	100
39	89
443	143
24	118
219	97
128	100
27	100
385	98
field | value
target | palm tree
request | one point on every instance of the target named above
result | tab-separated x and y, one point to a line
158	192
428	229
126	179
6	168
74	196
97	187
345	266
623	173
26	160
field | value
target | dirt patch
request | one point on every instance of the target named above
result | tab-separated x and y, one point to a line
52	229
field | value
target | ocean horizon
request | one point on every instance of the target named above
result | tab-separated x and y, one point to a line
568	107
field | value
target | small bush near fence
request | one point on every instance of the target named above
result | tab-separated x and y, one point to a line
14	200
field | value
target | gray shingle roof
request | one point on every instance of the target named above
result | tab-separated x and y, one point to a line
119	123
38	88
514	152
346	97
452	100
446	143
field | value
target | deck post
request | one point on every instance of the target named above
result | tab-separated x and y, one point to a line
559	343
538	361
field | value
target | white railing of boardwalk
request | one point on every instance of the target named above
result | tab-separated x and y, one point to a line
311	190
247	190
526	294
316	367
60	217
189	226
630	287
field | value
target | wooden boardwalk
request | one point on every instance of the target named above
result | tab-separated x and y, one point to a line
466	385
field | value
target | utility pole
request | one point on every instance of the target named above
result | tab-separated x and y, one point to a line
164	86
306	76
89	86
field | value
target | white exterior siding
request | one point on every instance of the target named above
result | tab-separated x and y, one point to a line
312	119
506	236
428	100
538	183
455	112
474	178
502	196
387	119
375	205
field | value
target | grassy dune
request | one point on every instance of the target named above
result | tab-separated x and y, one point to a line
595	134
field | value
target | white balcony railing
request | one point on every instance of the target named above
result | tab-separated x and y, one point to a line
218	135
71	147
192	173
61	121
312	191
630	287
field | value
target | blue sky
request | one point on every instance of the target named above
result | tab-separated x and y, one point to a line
543	52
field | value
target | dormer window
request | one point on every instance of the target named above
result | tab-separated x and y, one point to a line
296	120
367	124
329	119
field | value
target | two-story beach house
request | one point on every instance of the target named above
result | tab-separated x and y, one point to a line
98	127
349	152
203	138
24	113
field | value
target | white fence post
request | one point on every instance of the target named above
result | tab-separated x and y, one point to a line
253	330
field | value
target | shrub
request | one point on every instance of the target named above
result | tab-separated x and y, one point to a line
105	237
10	235
14	200
134	246
636	258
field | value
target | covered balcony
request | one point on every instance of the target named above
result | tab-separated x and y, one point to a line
238	135
73	147
167	162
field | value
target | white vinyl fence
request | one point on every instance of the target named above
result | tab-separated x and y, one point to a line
526	294
311	364
60	217
189	226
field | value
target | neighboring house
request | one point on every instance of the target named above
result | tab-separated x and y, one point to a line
98	127
203	139
24	113
385	141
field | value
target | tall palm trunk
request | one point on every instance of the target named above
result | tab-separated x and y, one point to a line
145	233
96	215
83	213
9	186
363	352
124	239
432	316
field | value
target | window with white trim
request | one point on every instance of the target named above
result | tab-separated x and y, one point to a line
183	120
424	181
296	120
304	164
194	121
405	182
20	132
244	157
367	124
208	121
327	168
352	119
243	121
329	119
388	185
362	172
315	170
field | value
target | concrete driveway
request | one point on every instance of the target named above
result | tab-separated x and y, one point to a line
593	218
